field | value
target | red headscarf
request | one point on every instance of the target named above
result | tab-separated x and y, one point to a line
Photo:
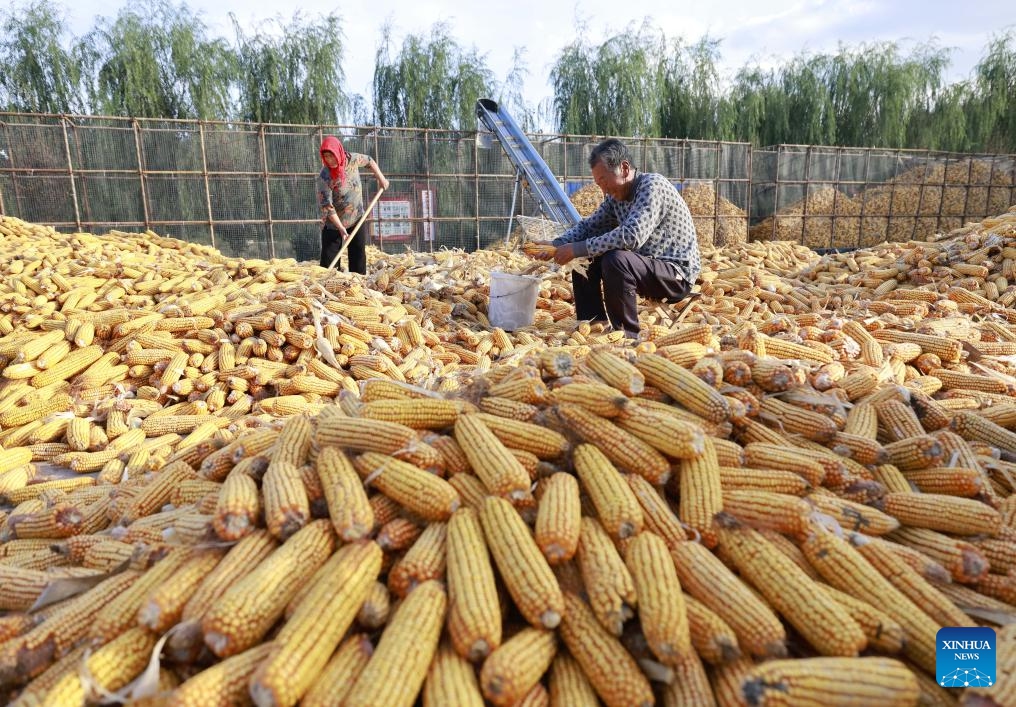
331	144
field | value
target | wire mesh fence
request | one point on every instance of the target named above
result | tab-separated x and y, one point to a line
249	189
836	197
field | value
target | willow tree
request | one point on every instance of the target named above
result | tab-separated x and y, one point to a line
758	103
610	89
694	104
156	60
430	82
992	108
294	74
38	70
575	92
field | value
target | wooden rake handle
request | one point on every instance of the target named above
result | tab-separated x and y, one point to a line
356	228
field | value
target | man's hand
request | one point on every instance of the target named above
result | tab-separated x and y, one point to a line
383	182
539	250
564	254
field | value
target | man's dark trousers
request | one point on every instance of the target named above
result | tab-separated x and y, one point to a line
615	278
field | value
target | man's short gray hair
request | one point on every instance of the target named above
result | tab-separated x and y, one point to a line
611	152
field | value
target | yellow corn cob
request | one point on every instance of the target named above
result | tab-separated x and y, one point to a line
397	534
909	582
157	493
26	656
701	491
558	518
336	679
618	509
789	590
609	667
243	614
628	452
832	682
656	513
237	508
707	579
862	421
797	420
425	494
21	587
348	507
949	350
361	435
500	472
394	674
596	397
25	414
684	387
58	521
948	514
770	456
712	637
774	511
786	482
164	606
898	420
844	568
512	670
970	381
451	681
110	667
676	438
506	407
312	633
424	413
690	685
241	559
75	362
607	581
108	555
973	427
541	441
287	507
525	389
471	490
474	620
424	561
293	442
523	568
120	613
883	633
662	612
616	372
569	685
223	683
853	516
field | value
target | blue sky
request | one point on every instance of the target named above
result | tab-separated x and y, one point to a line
765	31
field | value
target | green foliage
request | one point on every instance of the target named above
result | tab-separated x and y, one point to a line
156	60
38	72
293	75
431	82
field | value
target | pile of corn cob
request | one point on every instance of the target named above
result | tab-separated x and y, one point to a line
314	490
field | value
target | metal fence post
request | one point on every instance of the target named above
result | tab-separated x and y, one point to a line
204	172
476	187
141	172
70	172
268	191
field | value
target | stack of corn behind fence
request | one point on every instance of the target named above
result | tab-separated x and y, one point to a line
338	492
